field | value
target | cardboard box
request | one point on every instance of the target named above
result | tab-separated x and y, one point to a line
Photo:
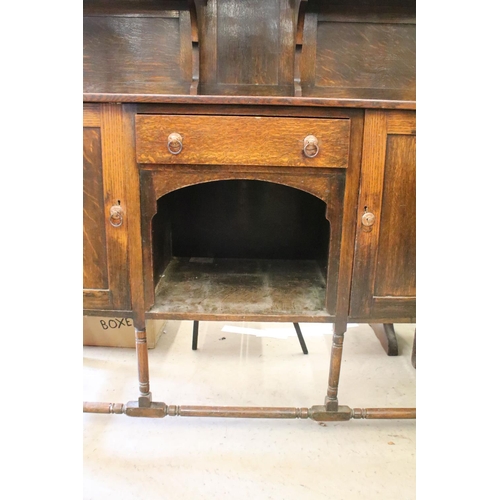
117	332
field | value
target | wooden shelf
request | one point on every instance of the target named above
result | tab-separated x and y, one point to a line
250	289
340	102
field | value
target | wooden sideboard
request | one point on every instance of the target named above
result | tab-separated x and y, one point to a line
250	160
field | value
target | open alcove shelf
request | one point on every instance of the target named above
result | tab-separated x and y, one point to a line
241	249
242	290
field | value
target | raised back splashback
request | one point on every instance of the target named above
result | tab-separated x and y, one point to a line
247	46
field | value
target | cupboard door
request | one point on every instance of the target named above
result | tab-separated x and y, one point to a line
384	275
105	283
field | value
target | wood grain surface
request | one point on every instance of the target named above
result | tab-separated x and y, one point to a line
105	276
384	277
222	140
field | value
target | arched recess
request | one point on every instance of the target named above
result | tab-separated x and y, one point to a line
317	185
267	218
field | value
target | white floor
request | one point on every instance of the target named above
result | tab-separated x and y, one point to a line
261	365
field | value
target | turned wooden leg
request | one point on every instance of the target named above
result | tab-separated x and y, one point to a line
301	338
194	344
141	346
331	400
387	337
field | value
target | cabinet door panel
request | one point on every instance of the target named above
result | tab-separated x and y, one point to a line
95	274
384	277
396	249
105	274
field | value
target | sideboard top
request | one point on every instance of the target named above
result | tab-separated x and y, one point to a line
375	103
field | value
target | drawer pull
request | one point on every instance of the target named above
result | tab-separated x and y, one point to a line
174	143
368	219
116	216
311	147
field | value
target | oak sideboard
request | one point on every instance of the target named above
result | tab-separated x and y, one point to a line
250	160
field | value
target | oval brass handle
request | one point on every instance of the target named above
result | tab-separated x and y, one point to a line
116	216
368	219
311	146
174	143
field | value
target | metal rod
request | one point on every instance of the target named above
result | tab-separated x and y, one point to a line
301	338
194	345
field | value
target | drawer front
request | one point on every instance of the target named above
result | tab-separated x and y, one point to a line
242	140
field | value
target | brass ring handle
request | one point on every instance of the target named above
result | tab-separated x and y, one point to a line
311	146
368	219
174	143
116	216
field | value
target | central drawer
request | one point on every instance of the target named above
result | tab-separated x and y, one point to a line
242	140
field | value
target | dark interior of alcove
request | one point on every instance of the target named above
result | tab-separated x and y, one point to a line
240	246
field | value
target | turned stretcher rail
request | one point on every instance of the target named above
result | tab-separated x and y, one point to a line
319	413
102	407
